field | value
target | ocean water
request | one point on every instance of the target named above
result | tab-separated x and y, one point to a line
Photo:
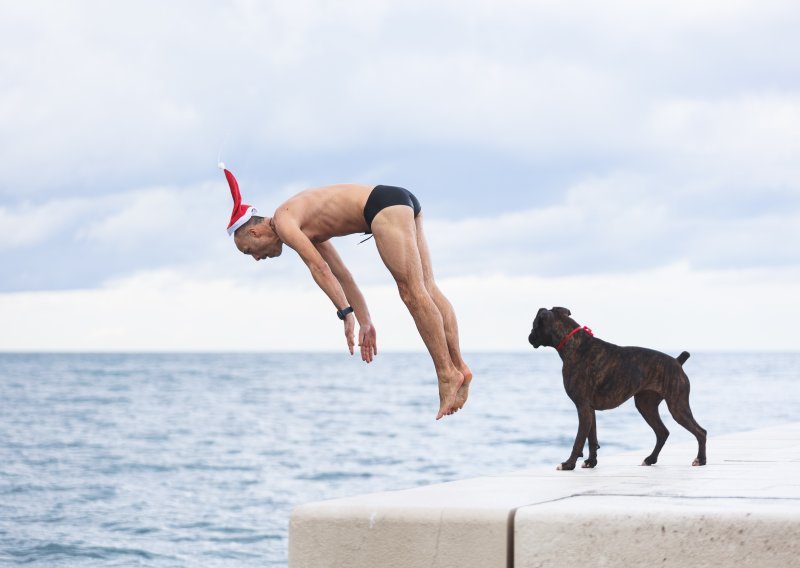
197	460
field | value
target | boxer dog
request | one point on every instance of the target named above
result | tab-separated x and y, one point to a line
599	375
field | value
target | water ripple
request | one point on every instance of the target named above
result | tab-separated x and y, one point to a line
53	552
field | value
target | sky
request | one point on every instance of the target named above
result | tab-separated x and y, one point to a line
638	163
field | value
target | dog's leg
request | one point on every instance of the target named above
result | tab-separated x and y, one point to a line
682	413
593	445
647	404
585	414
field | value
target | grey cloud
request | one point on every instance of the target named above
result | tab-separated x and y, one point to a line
110	97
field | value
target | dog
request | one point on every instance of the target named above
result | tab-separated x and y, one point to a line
600	375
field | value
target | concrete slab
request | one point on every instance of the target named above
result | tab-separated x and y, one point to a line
743	507
650	531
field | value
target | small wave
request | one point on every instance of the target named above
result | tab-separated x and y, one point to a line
230	554
376	461
130	529
55	551
197	525
334	476
132	467
219	468
95	400
245	539
26	488
529	441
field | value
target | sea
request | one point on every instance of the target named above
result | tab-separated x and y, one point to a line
198	459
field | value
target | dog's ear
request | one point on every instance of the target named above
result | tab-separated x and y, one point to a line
562	311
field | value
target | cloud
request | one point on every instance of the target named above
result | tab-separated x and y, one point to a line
28	225
622	223
78	242
140	217
752	138
671	308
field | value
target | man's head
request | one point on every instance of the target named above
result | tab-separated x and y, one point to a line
258	238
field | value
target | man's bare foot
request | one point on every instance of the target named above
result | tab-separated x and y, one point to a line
448	388
463	390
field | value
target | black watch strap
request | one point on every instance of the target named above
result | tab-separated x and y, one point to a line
344	311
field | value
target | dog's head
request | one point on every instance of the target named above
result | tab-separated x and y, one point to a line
551	326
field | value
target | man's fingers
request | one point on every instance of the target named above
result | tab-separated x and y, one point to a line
366	341
366	352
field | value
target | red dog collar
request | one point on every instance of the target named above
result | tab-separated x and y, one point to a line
571	333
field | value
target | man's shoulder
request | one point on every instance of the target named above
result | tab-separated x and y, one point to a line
285	215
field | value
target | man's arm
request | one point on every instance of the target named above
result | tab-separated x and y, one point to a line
366	333
292	236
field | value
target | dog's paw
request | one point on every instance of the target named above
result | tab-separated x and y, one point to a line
565	467
589	463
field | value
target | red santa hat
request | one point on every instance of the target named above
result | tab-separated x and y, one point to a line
241	211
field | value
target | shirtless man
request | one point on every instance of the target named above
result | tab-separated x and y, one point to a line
306	223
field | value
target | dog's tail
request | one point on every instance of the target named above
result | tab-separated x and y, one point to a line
682	357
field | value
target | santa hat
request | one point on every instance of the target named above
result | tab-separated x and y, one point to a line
241	211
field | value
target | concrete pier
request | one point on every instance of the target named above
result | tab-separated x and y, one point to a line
742	509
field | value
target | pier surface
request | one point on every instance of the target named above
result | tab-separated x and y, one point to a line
742	509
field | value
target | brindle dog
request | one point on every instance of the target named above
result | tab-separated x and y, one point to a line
599	375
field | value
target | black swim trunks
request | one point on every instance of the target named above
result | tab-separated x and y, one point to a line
384	196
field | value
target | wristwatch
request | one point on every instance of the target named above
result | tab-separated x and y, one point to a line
343	312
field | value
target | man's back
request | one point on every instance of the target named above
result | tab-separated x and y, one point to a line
327	211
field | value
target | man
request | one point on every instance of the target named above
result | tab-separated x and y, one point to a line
306	223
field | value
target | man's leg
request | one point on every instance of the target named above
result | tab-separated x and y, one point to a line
395	236
448	315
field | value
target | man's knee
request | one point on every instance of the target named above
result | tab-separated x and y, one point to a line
431	287
412	293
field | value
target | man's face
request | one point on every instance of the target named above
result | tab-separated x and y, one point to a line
259	244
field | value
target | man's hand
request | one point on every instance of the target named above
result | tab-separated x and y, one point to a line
349	328
368	342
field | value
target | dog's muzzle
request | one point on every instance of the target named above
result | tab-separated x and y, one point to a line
534	337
